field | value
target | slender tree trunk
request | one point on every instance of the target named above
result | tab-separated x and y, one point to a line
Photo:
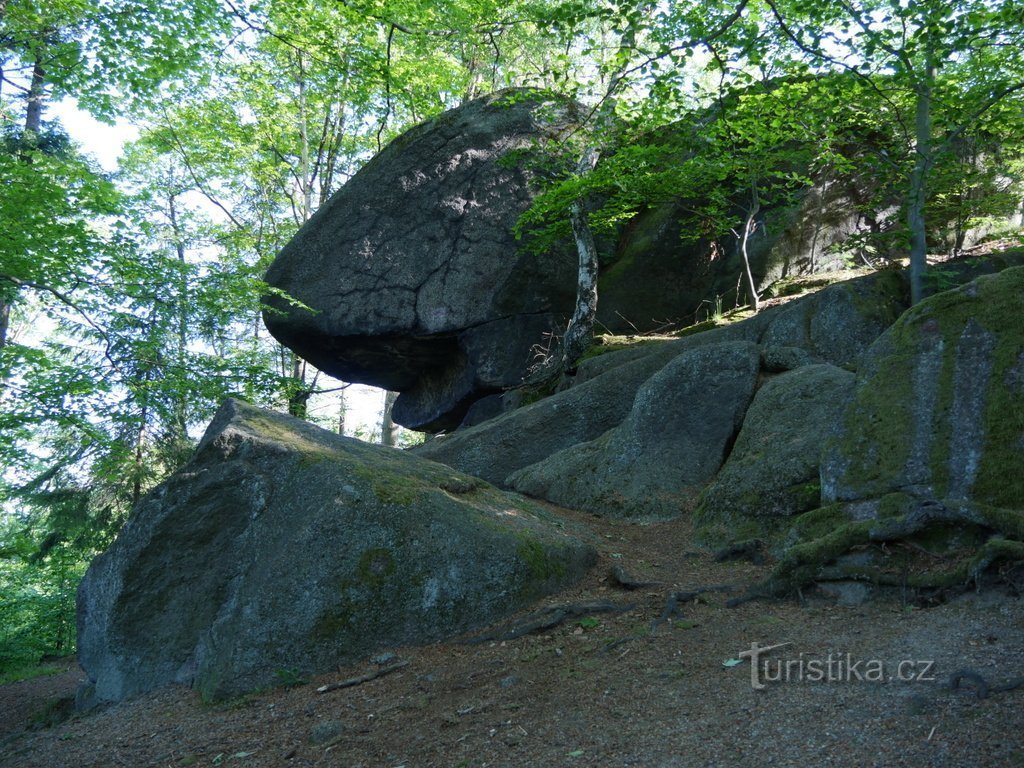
36	96
5	320
580	332
180	405
748	229
140	455
387	426
918	183
33	122
304	170
342	407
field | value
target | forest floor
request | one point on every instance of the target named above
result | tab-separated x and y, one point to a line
602	689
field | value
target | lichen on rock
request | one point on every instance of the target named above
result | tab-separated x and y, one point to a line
283	546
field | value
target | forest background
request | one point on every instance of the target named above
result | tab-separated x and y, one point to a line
131	300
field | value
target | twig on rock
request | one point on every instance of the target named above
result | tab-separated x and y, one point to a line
627	581
982	688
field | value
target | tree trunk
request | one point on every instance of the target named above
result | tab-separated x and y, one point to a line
342	407
748	229
180	406
140	455
387	426
298	399
33	123
5	321
918	183
36	95
580	332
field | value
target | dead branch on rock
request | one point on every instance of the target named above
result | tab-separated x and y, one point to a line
360	679
548	618
752	550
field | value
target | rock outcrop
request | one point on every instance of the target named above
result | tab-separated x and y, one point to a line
926	454
601	399
411	272
773	469
561	447
410	277
283	549
668	448
939	407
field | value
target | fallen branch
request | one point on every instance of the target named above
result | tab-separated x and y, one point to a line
363	678
751	550
548	618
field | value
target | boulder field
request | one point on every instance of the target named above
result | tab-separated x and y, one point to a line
281	549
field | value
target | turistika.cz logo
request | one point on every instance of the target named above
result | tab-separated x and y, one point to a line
832	668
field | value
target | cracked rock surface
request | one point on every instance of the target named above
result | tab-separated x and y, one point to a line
411	273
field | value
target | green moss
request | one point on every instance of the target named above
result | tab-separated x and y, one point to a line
791	287
390	487
819	522
375	566
885	413
999	480
610	343
539	561
714	528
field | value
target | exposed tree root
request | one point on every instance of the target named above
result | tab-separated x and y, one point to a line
675	598
548	618
815	560
982	688
752	550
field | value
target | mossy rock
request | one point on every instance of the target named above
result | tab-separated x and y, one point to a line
772	470
923	473
939	405
282	546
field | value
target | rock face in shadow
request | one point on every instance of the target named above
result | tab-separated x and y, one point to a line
677	434
283	549
571	448
602	399
772	471
415	279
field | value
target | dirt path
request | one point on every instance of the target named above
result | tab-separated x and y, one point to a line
603	690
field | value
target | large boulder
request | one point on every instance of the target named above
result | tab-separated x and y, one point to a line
656	462
285	549
939	406
411	276
928	452
772	471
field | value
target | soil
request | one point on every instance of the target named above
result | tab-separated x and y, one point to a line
602	689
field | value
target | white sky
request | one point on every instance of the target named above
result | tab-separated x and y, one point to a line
105	143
